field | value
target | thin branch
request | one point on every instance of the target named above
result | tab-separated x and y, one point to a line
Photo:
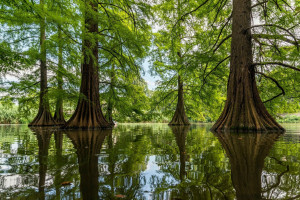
222	41
277	63
278	37
188	13
258	4
277	26
277	84
204	79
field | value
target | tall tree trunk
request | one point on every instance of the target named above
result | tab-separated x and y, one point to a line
246	154
88	114
88	144
244	109
180	117
43	117
59	115
111	99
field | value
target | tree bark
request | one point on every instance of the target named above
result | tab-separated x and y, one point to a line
88	114
59	114
88	144
246	154
43	117
180	117
244	109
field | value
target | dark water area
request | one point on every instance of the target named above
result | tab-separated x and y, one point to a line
148	161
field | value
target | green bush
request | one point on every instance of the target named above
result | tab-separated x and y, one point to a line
289	119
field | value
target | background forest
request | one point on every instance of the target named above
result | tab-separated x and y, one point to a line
180	42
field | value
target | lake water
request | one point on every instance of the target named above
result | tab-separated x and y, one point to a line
148	161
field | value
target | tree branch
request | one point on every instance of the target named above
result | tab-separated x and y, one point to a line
278	37
277	63
277	26
277	84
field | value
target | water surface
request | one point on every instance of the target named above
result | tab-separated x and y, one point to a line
148	161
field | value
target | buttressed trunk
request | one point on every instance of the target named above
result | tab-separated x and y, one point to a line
43	117
88	144
59	114
246	154
244	109
88	113
180	117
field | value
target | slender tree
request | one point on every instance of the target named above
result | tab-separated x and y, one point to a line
43	117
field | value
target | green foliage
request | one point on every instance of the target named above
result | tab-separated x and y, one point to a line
289	119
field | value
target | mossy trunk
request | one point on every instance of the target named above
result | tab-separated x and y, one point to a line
180	117
43	117
244	109
88	144
59	114
88	113
246	154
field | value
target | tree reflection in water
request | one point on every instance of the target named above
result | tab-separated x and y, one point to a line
147	162
88	144
43	136
247	153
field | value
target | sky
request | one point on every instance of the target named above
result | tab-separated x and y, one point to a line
151	80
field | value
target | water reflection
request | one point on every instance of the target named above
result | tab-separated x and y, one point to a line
180	133
43	136
247	153
88	145
152	161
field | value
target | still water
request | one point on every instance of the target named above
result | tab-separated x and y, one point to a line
148	161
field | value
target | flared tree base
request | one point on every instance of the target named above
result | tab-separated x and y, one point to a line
59	119
87	117
253	119
43	118
179	120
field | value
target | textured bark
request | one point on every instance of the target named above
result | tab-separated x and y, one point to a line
88	144
59	114
88	114
180	117
244	109
246	154
180	133
43	137
43	117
